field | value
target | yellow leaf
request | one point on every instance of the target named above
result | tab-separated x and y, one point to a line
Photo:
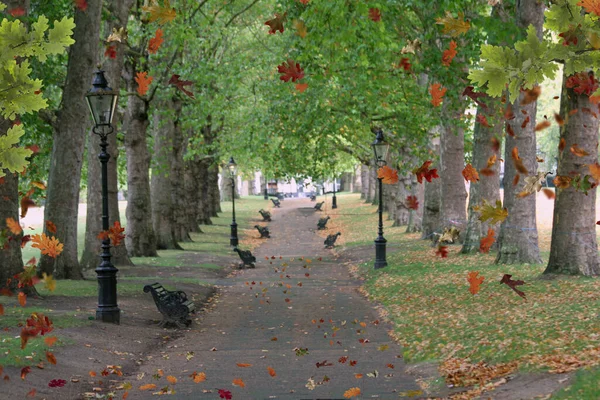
239	382
116	36
14	226
495	214
352	392
198	377
49	282
172	380
162	14
148	386
300	28
454	26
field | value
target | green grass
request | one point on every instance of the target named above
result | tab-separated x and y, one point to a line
435	316
87	288
584	386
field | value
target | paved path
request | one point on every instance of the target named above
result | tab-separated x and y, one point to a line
243	326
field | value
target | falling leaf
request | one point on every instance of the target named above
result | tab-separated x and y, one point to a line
474	95
437	93
442	251
513	284
549	193
31	393
424	172
582	83
276	24
180	85
311	385
374	14
17	12
301	87
470	173
290	70
271	371
51	358
162	14
22	299
225	394
483	120
562	182
243	365
50	227
143	81
49	282
388	175
509	130
579	152
411	47
390	366
474	280
239	382
324	363
24	372
300	28
453	26
81	4
117	35
50	341
448	55
559	120
48	245
495	214
14	226
486	242
404	64
518	162
198	377
148	386
542	125
353	392
155	42
412	203
594	171
531	95
562	144
533	184
26	202
525	122
373	374
39	185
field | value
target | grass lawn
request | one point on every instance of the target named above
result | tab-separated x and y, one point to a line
436	318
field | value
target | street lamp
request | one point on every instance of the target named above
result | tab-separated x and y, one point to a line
380	150
232	167
102	101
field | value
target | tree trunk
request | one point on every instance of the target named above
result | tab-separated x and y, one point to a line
415	217
432	193
453	192
161	188
226	192
574	249
402	213
365	181
251	190
357	180
372	195
93	223
213	190
518	239
68	144
488	187
205	200
192	195
178	194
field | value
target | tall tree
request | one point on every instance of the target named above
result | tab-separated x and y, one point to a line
117	18
70	129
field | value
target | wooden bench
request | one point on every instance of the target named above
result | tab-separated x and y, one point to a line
174	306
319	205
276	203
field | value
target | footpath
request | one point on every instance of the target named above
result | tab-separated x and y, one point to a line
295	327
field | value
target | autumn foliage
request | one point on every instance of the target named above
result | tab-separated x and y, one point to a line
387	175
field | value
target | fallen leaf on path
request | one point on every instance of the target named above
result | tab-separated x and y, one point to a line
353	392
238	382
243	365
198	377
148	386
271	371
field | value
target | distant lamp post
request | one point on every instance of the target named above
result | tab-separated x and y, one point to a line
334	200
102	101
232	167
380	150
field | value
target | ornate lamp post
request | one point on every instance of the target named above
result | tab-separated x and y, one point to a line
232	167
102	101
380	150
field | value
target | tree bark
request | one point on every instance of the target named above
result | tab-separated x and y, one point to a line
68	144
192	196
357	180
161	188
140	238
226	192
372	196
432	193
574	249
415	217
488	187
205	200
176	175
364	178
120	10
213	190
518	239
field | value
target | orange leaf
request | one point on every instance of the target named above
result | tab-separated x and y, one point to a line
358	376
470	173
525	122
516	179
39	185
24	372
492	160
595	171
143	81
388	175
172	380
271	371
531	95
549	193
454	26
591	6
22	299
148	386
239	382
578	151
353	392
542	125
198	377
125	395
301	87
437	93
31	393
50	341
487	172
474	281
518	162
242	365
14	226
92	373
449	54
50	227
51	358
562	144
48	245
486	242
562	182
559	120
155	42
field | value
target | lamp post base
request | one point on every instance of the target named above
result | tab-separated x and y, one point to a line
266	194
380	248
334	202
233	239
110	314
108	310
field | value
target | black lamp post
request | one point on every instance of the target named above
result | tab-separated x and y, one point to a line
334	199
380	150
102	101
232	167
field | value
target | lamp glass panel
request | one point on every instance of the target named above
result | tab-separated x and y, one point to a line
102	107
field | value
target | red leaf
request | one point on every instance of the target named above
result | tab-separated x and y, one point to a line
155	42
50	227
110	52
388	175
57	383
290	70
17	12
404	63
483	120
582	82
225	394
276	24
374	14
513	284
474	95
412	203
81	4
301	87
470	173
424	172
180	84
531	95
474	281
26	202
442	251
24	372
449	54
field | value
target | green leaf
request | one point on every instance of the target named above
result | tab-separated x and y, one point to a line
13	158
